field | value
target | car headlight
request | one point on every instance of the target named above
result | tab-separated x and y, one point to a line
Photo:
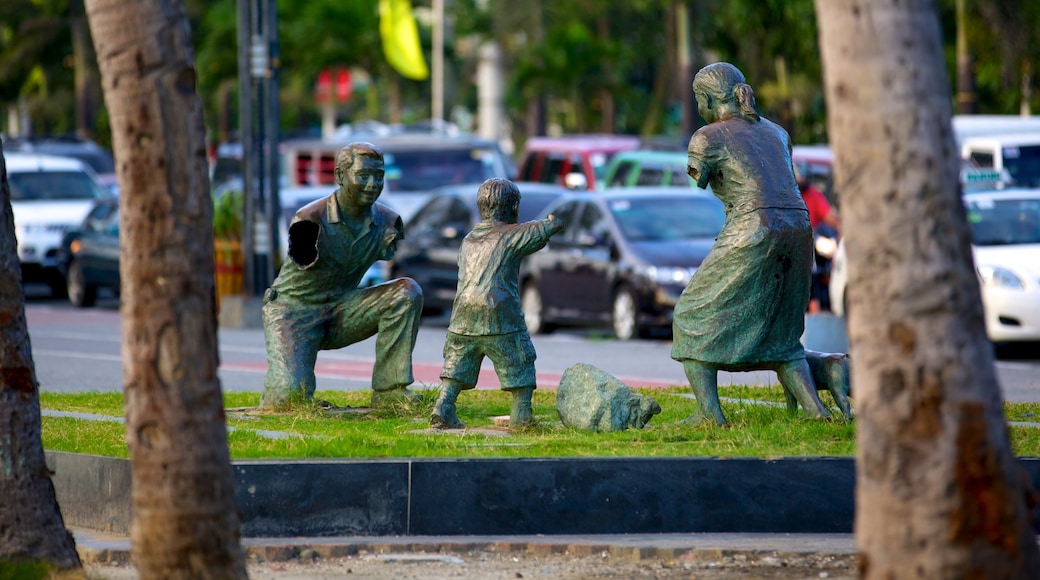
669	274
1000	278
826	246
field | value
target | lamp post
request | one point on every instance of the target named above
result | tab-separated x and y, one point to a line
258	63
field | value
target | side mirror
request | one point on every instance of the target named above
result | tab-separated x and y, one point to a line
575	181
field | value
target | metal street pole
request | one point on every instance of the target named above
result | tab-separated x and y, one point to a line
245	136
274	210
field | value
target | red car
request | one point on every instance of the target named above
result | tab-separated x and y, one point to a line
575	161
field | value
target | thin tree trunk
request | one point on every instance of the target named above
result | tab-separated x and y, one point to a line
938	492
31	526
185	523
88	88
606	94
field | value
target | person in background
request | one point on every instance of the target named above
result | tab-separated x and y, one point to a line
820	210
825	222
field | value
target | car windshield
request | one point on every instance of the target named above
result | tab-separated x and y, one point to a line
425	170
1023	163
52	185
1004	222
667	219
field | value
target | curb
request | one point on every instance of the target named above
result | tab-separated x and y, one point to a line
97	549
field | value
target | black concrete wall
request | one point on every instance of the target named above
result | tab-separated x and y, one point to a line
501	496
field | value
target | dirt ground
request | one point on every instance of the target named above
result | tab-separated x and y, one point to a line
484	565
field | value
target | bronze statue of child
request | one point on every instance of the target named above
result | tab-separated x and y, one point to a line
486	318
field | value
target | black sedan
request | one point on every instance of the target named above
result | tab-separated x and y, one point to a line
622	261
429	253
90	254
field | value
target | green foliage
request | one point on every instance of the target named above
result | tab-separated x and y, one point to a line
35	570
756	430
585	58
228	214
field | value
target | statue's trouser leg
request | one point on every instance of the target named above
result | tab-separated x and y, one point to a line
704	380
521	414
797	380
513	355
444	413
392	310
292	335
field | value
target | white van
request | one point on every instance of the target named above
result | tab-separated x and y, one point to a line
968	126
1015	155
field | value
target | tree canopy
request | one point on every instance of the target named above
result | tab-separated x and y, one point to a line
595	65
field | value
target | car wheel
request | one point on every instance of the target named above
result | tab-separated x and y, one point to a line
625	315
80	293
534	311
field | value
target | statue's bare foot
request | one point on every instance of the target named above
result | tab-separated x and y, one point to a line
391	397
445	417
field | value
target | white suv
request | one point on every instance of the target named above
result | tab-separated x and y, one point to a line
49	196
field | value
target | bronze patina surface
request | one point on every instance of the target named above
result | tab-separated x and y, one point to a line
315	302
744	309
486	319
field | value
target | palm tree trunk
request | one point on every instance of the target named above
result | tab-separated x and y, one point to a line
185	524
938	491
31	526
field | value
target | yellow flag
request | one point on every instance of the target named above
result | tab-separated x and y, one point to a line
401	39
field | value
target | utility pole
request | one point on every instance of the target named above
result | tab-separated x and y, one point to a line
245	137
258	125
272	112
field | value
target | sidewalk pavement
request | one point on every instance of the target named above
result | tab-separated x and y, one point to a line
100	548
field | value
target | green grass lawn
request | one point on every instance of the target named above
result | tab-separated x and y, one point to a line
755	430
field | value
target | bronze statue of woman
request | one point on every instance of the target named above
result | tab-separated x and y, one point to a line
744	309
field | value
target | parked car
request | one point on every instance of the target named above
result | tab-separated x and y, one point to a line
1005	233
623	259
90	255
415	163
98	158
575	161
49	196
429	253
647	168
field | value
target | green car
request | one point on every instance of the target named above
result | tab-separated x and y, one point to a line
642	167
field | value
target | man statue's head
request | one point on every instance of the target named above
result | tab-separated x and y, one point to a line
359	173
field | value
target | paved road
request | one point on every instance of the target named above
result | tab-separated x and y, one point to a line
77	350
